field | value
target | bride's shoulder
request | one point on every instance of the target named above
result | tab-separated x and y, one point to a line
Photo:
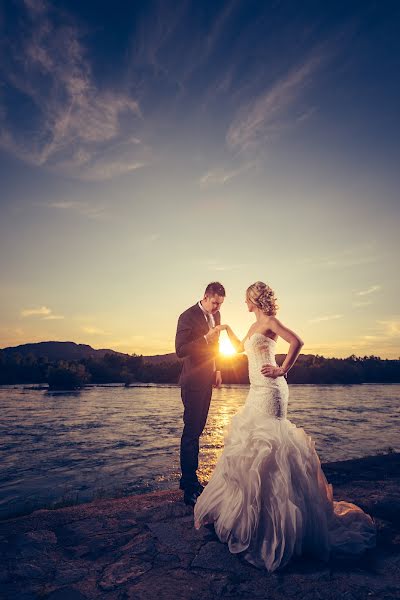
269	320
270	325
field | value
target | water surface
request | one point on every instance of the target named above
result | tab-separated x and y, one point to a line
107	441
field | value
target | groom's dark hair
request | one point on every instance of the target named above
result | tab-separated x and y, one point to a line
215	287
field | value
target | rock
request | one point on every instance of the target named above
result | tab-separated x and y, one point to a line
42	536
170	534
388	508
176	584
68	572
216	556
164	559
24	570
67	593
123	571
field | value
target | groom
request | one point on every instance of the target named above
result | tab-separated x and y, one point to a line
196	341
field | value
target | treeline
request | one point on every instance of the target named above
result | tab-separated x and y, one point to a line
63	374
115	368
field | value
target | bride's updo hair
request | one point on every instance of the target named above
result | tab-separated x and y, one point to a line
263	297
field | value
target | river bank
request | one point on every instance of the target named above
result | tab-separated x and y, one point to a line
145	547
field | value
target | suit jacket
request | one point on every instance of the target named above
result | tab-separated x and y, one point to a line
198	355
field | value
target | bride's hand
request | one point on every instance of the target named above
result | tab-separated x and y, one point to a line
272	371
221	327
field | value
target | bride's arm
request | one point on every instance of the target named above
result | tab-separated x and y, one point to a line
235	341
291	338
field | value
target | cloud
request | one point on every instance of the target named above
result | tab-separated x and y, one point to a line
94	330
325	318
362	303
265	116
91	211
216	177
213	264
349	257
392	327
28	312
370	290
42	311
76	127
221	175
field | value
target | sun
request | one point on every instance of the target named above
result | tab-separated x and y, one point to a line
225	347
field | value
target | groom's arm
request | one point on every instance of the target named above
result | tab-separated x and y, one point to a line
184	344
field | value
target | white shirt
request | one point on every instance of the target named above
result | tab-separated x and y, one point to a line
205	313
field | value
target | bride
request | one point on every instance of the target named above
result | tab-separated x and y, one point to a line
268	496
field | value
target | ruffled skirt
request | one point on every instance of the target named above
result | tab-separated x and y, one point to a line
269	498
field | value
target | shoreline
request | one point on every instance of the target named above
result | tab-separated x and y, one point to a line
330	467
144	546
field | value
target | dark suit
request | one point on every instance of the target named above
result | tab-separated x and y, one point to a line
196	381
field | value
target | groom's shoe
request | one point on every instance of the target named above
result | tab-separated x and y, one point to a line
190	497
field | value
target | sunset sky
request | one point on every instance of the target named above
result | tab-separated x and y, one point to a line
148	148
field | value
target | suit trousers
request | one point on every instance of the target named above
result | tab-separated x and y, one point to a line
196	403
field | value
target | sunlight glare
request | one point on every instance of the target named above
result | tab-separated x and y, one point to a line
225	346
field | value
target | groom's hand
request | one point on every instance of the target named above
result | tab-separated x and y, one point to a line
218	379
212	335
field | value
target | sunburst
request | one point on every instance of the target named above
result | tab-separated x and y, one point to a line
225	346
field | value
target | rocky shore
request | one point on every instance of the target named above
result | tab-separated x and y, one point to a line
145	547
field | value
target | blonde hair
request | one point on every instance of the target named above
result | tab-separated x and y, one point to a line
260	294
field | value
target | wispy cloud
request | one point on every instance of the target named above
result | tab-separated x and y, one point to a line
325	318
41	311
370	290
362	303
221	175
213	264
349	257
78	128
87	209
265	116
392	327
95	330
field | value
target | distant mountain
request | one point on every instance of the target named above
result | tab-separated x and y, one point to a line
73	351
59	350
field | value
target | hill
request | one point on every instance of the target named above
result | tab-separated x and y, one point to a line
59	351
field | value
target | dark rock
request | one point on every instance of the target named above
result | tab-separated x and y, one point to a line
216	556
68	572
125	570
388	508
67	593
170	534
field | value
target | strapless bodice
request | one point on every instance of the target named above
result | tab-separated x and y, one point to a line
268	394
260	350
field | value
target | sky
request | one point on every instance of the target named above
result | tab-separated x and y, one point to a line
149	148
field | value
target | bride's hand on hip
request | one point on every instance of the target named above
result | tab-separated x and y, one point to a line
272	371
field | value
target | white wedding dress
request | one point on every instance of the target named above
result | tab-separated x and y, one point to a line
268	496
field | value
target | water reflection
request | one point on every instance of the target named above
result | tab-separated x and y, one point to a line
113	440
